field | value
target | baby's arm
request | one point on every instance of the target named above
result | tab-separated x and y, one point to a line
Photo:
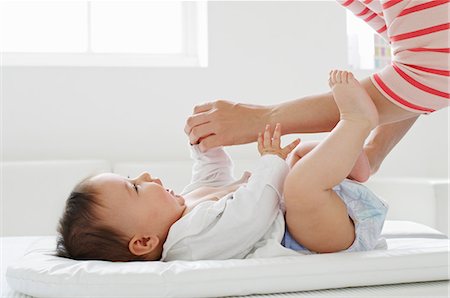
212	168
360	171
253	207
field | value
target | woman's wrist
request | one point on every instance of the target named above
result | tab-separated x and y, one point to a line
257	118
276	114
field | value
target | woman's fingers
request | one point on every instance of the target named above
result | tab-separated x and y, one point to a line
203	107
196	120
200	132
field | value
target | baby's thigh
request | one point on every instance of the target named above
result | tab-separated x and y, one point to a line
319	221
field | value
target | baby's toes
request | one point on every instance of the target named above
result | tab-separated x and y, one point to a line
333	79
330	78
344	77
338	76
351	77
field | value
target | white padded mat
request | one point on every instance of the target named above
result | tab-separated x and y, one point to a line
416	253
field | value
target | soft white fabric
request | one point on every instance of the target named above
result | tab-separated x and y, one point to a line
246	223
409	258
368	213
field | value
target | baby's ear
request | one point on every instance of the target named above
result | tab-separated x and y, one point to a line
142	245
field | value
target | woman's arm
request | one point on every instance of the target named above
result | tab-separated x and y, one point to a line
383	139
226	123
222	123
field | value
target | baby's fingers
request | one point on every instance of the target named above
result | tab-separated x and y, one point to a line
288	149
276	136
267	140
260	143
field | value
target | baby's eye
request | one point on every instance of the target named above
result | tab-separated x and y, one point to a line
135	187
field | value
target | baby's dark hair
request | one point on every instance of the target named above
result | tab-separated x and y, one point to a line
82	235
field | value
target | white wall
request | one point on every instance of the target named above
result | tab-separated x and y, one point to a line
259	52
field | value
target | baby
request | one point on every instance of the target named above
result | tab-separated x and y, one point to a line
306	205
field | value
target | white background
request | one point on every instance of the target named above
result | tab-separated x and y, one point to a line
259	52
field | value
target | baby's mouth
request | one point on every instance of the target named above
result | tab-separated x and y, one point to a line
179	198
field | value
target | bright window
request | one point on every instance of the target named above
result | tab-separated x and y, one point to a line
103	33
142	27
43	26
366	49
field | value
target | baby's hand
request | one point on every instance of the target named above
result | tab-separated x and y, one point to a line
271	145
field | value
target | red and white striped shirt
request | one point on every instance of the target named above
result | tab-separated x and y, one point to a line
418	32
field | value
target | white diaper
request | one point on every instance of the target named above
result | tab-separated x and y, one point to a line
367	211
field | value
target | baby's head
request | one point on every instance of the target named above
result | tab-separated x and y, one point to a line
109	217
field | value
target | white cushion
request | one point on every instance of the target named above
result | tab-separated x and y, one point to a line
411	257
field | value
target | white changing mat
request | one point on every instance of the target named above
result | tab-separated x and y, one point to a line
415	253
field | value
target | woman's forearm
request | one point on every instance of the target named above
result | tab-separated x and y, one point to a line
383	139
310	114
223	123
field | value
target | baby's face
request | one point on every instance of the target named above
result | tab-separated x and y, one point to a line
139	206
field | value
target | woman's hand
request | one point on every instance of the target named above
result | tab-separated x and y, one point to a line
271	145
223	123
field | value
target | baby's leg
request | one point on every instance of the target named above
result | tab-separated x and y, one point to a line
315	215
360	171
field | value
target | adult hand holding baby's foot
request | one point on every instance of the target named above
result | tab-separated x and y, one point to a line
271	145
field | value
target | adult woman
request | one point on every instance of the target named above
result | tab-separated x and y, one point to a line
417	82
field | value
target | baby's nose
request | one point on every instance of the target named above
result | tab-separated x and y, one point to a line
145	176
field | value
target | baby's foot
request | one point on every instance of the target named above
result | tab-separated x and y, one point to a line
353	101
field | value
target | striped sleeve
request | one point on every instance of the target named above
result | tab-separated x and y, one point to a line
418	32
369	11
419	77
